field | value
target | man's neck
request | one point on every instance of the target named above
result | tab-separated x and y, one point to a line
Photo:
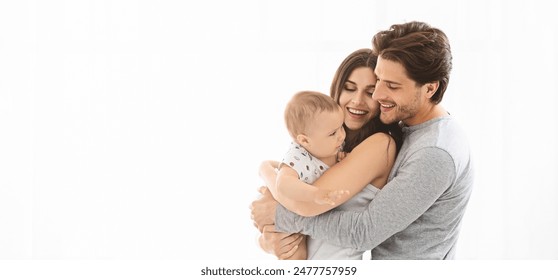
433	112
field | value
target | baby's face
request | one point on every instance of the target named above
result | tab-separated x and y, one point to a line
326	134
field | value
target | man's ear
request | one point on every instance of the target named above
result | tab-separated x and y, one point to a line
303	140
431	88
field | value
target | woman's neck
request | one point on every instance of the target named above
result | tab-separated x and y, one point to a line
350	134
350	139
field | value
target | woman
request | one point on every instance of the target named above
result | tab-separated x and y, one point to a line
371	147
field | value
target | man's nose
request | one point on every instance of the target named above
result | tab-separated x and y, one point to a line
379	92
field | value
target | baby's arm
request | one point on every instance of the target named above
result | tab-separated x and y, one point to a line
268	172
287	179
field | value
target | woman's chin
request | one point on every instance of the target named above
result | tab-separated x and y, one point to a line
354	126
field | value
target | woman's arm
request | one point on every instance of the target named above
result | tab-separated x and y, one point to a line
295	192
369	162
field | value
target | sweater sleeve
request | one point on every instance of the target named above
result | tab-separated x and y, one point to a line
418	183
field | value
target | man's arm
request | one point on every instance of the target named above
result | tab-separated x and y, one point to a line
370	160
418	184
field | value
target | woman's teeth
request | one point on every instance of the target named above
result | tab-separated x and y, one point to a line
357	112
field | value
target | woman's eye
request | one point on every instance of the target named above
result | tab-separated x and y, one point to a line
333	134
349	88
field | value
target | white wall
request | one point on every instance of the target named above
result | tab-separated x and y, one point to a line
133	129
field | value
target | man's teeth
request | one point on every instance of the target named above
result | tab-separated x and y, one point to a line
357	112
387	106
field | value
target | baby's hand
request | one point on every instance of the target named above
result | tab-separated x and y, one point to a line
341	156
331	197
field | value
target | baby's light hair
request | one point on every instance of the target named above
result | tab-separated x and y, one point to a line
303	108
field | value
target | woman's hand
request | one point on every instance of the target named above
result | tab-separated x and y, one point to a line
330	197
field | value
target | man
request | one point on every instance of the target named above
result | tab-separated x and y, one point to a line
418	213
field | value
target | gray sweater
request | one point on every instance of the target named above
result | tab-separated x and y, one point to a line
418	213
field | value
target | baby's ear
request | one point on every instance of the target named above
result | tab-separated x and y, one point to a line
303	140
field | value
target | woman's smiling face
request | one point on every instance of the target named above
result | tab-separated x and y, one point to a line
356	98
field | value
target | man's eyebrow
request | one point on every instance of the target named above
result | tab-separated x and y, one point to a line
392	82
388	81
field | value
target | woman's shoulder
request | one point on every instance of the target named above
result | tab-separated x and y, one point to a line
378	138
377	142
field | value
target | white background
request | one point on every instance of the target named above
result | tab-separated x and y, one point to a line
134	129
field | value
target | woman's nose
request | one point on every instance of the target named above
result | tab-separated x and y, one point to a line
356	99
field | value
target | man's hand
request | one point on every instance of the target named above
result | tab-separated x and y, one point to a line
263	209
282	245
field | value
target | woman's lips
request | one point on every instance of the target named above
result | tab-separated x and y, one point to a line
357	113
